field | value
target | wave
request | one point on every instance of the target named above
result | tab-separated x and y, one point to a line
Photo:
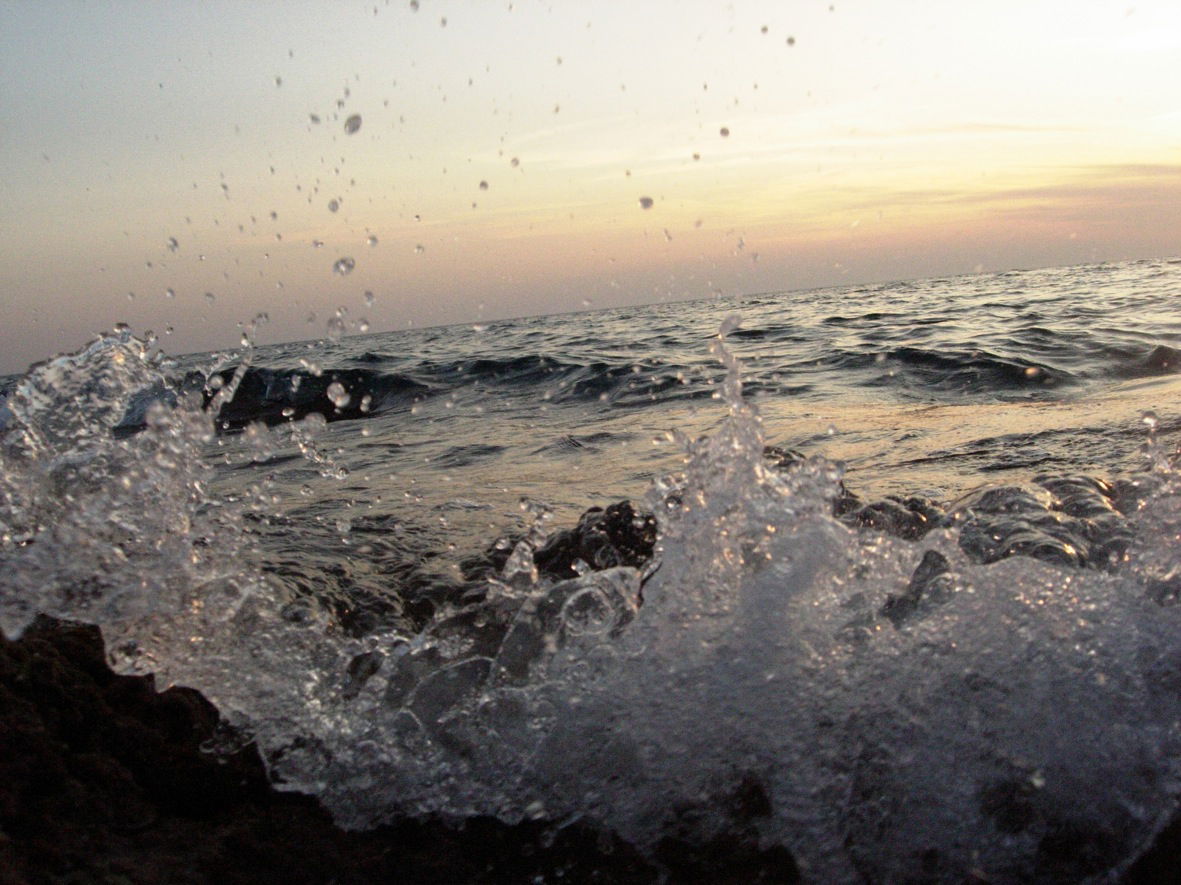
917	371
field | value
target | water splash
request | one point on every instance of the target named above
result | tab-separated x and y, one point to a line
758	678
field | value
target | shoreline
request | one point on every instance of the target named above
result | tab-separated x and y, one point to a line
102	779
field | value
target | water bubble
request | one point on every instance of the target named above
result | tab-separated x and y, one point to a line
646	202
352	124
343	266
372	240
173	245
333	205
337	395
336	325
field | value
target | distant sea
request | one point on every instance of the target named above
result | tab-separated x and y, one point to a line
899	563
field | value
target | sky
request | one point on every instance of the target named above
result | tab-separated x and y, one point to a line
184	167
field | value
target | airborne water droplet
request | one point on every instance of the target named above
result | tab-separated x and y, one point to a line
333	205
210	297
419	249
646	202
372	241
338	395
368	298
724	131
173	245
352	124
344	266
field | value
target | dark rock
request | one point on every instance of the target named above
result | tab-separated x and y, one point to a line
602	539
931	569
102	779
617	536
908	518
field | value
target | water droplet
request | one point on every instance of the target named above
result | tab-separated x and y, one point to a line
333	205
316	244
646	202
483	185
419	249
352	124
344	266
315	118
372	240
414	5
130	296
274	215
173	245
366	403
515	162
337	395
210	297
278	80
724	131
362	325
667	235
1151	421
168	330
791	41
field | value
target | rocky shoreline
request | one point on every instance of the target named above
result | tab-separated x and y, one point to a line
103	780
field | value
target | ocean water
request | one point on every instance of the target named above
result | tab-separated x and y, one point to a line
909	577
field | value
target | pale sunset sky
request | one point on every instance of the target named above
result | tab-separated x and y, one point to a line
151	153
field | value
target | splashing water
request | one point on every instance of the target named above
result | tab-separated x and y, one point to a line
1017	718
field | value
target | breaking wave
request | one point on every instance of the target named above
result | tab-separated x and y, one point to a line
888	690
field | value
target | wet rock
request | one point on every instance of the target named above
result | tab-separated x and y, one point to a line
617	536
102	779
906	518
929	582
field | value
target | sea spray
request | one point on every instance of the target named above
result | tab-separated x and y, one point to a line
760	680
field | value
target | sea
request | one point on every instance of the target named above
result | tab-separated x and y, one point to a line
894	586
